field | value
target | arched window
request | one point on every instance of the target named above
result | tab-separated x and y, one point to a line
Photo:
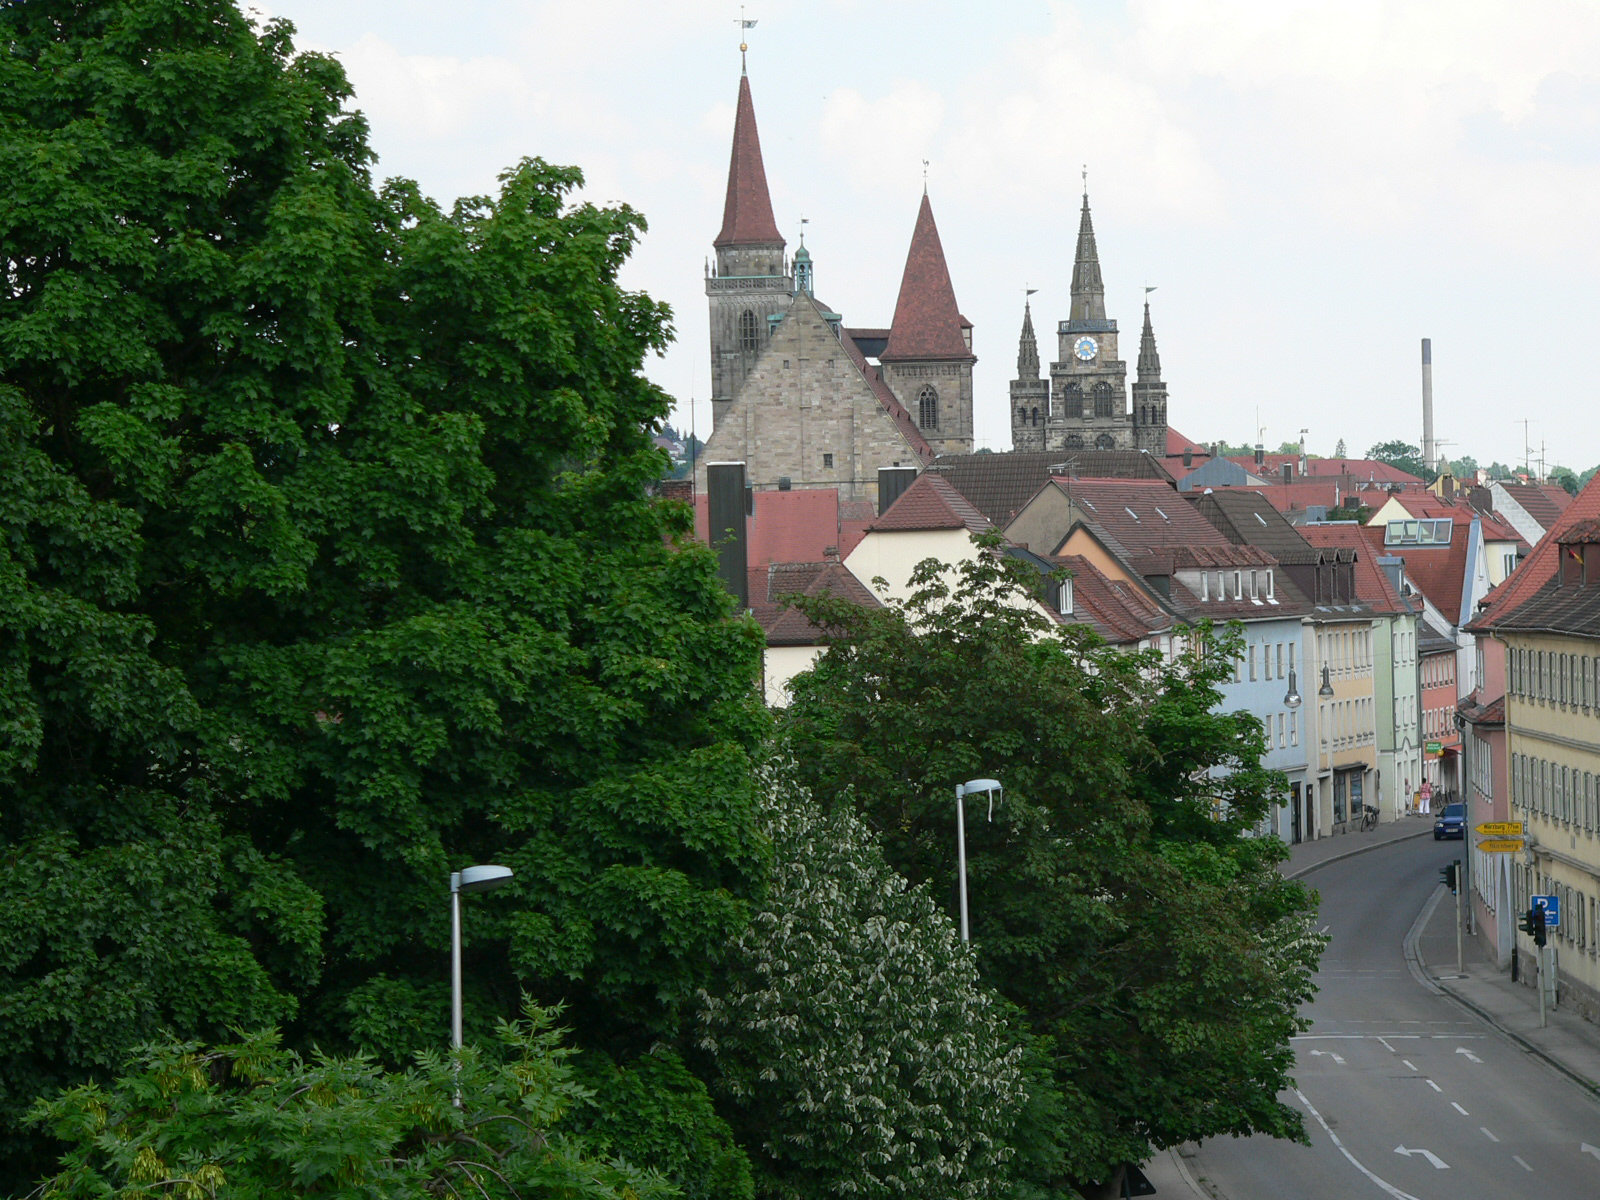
1102	399
1144	414
1074	401
1022	416
928	407
1036	416
1074	442
749	332
1105	442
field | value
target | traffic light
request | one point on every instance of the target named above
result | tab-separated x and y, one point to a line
1447	875
1532	924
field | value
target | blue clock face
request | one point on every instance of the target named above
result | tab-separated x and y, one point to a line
1085	348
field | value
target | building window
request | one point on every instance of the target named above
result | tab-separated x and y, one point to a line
928	407
827	461
749	332
1252	664
1294	727
1064	598
1102	400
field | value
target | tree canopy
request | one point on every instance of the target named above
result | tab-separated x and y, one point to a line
1118	895
1402	455
327	567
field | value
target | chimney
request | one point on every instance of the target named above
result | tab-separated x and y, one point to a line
892	484
1288	472
1188	456
726	502
1427	403
1261	454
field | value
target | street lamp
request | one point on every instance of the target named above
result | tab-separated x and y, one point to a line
962	789
1291	698
1326	690
469	879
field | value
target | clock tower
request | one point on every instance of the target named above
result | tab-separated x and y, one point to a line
1089	384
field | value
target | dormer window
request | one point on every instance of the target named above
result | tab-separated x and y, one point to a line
1064	598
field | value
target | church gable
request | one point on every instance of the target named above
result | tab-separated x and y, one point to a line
807	414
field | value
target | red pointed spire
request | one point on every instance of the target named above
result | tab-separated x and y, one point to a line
927	323
747	212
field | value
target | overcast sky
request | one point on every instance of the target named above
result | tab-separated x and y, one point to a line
1312	187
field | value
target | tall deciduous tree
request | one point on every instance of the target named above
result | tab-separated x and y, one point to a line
326	567
1118	894
1403	455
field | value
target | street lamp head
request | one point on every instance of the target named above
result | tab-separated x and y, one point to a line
1326	690
979	785
479	879
1291	698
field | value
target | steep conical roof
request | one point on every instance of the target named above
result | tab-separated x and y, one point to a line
747	212
1088	292
927	323
1027	346
1149	360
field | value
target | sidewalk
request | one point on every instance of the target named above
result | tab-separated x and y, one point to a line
1568	1043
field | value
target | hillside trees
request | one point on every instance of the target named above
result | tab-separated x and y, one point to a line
325	568
1118	897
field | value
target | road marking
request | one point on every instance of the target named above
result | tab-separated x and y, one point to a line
1438	1163
1585	1148
1338	1061
1517	1158
1459	1109
1435	1086
1471	1057
1382	1042
1410	1066
1354	1162
1484	1129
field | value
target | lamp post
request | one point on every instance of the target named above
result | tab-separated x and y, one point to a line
1291	701
962	789
1324	694
469	879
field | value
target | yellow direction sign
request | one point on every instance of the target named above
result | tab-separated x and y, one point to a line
1500	828
1500	845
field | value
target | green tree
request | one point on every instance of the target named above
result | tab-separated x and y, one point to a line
1465	468
1403	456
853	1042
1118	894
326	566
1565	478
255	1121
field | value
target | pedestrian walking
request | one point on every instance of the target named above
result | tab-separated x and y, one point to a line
1426	795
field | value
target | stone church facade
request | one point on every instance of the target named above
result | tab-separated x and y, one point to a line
797	396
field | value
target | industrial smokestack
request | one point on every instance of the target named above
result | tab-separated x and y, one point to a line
1427	402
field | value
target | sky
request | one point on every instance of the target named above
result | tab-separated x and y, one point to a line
1311	187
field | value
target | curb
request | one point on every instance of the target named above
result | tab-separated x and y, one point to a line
1366	849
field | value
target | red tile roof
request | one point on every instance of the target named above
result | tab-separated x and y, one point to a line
1544	502
1141	515
1539	568
1373	586
1366	469
927	323
1438	572
795	526
786	626
747	211
1177	444
1115	610
931	503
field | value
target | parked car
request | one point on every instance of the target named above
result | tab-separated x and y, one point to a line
1451	822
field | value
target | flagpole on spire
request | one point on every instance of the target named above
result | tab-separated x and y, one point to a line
743	45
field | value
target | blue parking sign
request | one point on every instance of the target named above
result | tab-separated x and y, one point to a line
1552	910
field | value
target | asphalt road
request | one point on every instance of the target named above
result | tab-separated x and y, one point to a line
1406	1094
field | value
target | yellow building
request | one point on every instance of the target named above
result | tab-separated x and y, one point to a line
1551	632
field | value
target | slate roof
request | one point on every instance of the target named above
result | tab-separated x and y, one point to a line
1248	518
786	626
931	502
1000	484
927	323
747	210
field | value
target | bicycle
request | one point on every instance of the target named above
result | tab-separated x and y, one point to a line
1369	817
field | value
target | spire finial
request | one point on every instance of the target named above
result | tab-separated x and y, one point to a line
804	221
1086	185
743	45
924	177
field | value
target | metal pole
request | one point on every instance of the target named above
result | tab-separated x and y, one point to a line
1461	965
961	855
455	977
1539	950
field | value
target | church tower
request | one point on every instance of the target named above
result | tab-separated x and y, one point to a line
1030	393
927	360
1149	394
1089	384
749	283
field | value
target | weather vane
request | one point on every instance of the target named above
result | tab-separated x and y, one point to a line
743	45
924	177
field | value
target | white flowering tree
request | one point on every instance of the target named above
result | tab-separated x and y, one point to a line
857	1053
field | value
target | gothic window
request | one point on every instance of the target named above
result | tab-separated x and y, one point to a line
749	332
1074	442
1105	442
1074	400
1022	416
1102	399
1036	416
928	407
1144	414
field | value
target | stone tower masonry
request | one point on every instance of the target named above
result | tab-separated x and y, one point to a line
1030	393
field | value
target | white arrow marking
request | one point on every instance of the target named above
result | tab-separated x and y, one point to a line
1471	1057
1438	1163
1331	1055
1588	1149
